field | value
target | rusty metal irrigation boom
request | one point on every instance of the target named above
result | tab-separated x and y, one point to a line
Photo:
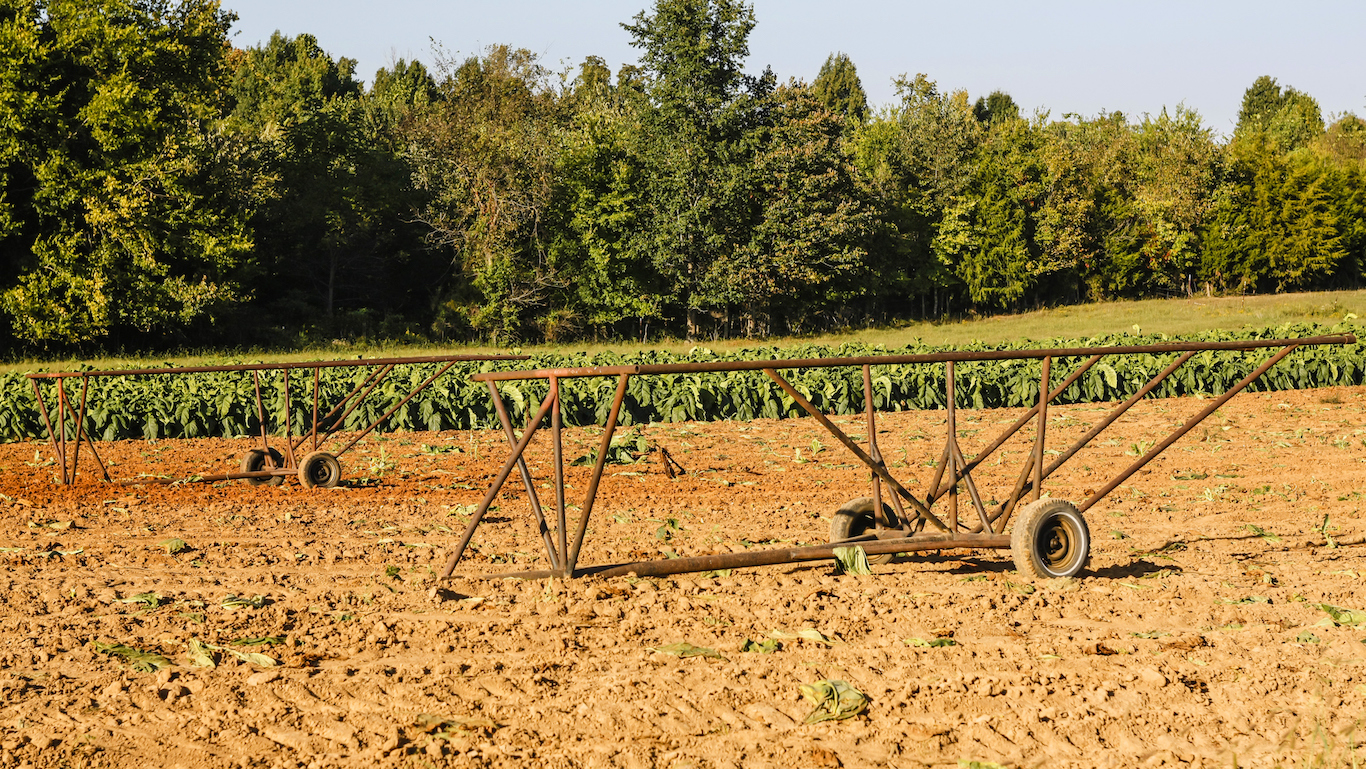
265	465
1049	539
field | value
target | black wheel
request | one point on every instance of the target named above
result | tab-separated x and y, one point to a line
256	460
319	470
856	518
1050	539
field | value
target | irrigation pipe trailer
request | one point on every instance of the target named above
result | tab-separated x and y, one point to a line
1049	538
306	457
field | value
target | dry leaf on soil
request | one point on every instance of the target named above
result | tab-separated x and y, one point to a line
805	634
685	649
141	661
834	700
199	656
1343	616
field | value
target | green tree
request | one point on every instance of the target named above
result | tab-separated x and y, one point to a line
997	105
807	248
917	158
595	215
1274	227
988	233
485	154
839	89
694	120
334	244
1178	167
119	213
1288	118
1089	225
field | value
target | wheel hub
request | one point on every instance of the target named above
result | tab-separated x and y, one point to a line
1057	544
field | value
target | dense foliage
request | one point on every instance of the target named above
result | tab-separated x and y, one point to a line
223	404
159	187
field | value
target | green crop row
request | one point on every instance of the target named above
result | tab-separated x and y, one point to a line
223	404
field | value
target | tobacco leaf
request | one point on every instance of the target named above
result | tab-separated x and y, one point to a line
684	649
199	655
1343	616
834	700
852	560
139	660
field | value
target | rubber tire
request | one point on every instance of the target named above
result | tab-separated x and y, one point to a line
1050	540
257	460
855	517
319	470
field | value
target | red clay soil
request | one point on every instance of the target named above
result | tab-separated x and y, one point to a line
1194	637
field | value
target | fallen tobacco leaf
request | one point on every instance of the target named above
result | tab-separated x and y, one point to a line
173	546
1343	616
1258	531
232	602
932	643
805	634
767	646
852	560
834	700
151	600
139	660
683	649
263	640
199	656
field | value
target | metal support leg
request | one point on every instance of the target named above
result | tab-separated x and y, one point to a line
541	526
604	445
497	486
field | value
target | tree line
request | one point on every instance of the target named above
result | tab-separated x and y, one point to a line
160	187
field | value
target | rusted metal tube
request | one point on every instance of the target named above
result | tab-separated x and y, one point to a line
275	473
104	469
951	404
971	484
532	496
51	434
1187	427
80	428
854	447
1009	432
261	413
1016	494
332	419
289	436
660	568
557	460
274	366
1042	435
1003	512
339	422
497	487
886	360
313	433
395	407
879	518
604	445
1116	413
63	408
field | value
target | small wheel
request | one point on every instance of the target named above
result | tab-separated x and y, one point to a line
256	460
1050	539
319	470
856	518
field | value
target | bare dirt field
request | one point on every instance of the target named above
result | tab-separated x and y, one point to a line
1194	637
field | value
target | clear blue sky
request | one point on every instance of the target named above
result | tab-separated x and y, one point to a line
1063	55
